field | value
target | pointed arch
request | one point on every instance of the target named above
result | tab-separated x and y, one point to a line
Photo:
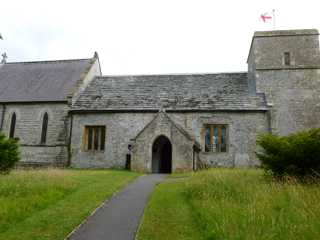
44	129
12	125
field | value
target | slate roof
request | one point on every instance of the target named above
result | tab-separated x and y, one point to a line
223	91
40	81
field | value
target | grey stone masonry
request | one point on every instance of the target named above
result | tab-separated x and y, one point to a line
144	128
182	145
29	118
242	131
31	89
120	129
291	90
267	49
2	108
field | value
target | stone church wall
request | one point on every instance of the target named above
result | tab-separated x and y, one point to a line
1	115
294	97
242	130
29	119
120	128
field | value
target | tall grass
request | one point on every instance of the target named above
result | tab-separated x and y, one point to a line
234	204
48	204
23	192
242	204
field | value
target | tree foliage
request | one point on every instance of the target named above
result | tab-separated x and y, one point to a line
296	154
9	153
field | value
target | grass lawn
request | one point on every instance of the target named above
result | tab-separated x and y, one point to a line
49	204
232	204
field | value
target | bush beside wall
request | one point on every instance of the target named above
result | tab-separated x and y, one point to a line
296	154
9	153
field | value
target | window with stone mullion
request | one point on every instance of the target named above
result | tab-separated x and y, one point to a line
95	138
215	138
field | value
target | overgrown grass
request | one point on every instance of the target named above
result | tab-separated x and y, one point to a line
48	204
232	204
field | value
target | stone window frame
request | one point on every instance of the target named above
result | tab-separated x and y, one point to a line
13	125
44	128
219	126
94	138
287	58
7	123
51	124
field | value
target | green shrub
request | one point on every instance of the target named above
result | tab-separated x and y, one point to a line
295	155
9	153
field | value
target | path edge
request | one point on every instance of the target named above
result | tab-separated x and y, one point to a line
105	202
143	213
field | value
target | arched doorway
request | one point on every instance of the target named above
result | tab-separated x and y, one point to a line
161	155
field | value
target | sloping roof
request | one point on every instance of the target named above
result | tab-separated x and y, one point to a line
223	91
40	81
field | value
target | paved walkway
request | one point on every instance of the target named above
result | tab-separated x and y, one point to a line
119	217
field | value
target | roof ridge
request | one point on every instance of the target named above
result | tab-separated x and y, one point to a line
171	74
49	61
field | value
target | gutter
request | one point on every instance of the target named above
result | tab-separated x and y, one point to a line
34	102
84	111
288	68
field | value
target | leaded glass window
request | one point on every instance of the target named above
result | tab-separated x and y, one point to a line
215	138
94	138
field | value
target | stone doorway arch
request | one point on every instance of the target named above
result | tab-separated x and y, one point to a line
162	155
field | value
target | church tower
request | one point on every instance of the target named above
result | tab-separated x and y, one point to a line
285	66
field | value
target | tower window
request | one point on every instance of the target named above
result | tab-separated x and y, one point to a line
287	60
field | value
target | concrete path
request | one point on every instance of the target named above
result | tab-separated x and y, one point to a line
119	217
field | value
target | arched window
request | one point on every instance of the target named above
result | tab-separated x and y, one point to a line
44	128
12	125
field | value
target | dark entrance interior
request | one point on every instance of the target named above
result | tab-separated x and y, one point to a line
161	155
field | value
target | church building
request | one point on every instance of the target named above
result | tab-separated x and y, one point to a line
66	113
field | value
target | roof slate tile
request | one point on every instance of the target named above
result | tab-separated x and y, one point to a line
40	81
223	91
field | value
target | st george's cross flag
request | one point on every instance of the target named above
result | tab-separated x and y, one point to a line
268	16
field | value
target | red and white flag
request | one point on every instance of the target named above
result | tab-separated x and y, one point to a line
265	17
269	17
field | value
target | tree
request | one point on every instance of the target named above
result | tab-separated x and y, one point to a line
9	153
297	154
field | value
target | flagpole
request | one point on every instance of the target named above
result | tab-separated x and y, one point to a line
274	19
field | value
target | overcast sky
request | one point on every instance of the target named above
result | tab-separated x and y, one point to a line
146	36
